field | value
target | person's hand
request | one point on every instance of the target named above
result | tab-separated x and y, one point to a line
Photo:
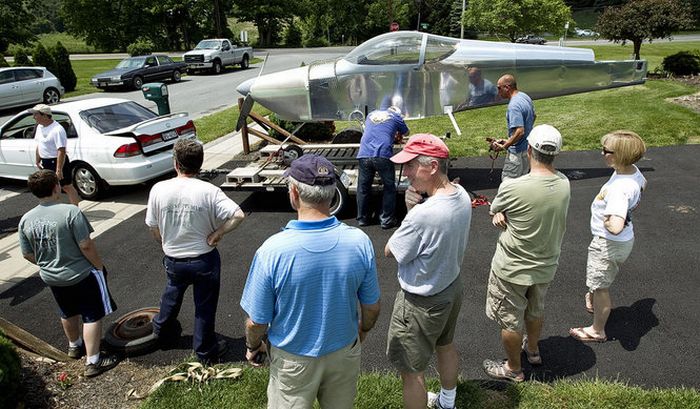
38	165
257	358
412	197
499	220
214	238
59	174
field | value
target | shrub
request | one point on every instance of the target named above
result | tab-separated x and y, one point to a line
3	62
292	36
64	68
22	57
311	131
9	373
42	58
682	63
140	47
316	42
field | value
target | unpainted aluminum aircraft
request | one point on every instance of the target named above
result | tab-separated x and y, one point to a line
426	75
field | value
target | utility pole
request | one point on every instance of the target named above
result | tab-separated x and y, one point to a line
461	19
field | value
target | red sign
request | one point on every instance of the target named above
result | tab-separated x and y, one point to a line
394	26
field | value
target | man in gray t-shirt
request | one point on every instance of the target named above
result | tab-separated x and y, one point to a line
429	247
56	237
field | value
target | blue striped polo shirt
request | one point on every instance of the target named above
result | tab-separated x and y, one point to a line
306	281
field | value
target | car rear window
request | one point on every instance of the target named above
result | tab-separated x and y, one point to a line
112	117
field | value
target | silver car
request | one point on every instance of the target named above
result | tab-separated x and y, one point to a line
21	86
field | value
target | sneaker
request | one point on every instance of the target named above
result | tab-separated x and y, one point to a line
390	224
221	349
76	352
499	370
534	358
105	363
434	401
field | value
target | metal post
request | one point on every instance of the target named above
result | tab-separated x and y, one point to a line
461	19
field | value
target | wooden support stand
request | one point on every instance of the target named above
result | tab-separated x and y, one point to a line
266	124
29	342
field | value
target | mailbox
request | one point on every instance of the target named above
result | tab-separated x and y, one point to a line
158	93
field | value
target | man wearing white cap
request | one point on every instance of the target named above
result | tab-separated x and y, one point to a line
531	210
51	141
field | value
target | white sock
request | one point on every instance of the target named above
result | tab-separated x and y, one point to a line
447	397
78	342
93	359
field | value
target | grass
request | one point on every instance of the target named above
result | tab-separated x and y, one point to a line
216	125
383	391
654	53
85	70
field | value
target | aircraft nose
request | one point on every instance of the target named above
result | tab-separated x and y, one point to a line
244	87
284	93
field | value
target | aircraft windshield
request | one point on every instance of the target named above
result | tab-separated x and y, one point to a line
439	48
392	48
207	45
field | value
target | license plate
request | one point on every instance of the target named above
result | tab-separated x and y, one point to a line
169	135
102	84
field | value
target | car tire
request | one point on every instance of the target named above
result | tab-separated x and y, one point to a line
86	181
51	96
245	62
177	76
340	199
132	333
217	68
137	83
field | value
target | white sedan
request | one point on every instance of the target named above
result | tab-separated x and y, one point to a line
111	141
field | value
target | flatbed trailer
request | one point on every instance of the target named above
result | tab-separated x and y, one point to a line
266	173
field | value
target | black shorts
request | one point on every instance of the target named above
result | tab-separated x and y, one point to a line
90	298
50	164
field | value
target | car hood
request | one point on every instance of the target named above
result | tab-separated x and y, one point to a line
114	72
202	52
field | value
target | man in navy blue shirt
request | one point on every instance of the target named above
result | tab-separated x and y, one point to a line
382	129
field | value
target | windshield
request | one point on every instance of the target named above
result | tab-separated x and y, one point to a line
111	117
207	45
136	62
392	48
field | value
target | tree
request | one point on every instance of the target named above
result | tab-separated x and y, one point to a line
64	69
641	20
14	24
269	16
515	18
42	58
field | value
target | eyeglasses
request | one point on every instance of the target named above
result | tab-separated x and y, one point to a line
606	151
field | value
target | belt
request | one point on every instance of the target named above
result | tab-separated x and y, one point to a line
186	259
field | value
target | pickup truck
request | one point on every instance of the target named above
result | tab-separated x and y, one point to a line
216	53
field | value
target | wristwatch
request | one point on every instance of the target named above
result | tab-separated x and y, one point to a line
251	349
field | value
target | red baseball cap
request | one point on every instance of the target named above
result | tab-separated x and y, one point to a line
422	144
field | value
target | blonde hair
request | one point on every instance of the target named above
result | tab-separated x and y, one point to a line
628	147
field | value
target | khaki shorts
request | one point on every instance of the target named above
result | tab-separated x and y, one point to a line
419	324
510	304
516	165
604	260
296	381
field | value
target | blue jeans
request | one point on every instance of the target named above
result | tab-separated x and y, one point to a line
387	173
203	273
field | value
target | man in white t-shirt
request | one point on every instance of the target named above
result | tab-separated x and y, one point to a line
189	216
51	141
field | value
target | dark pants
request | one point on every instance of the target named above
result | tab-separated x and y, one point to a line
203	274
387	173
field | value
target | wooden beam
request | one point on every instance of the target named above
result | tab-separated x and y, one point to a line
264	136
256	117
244	131
30	342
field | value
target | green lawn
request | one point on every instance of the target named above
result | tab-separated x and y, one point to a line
73	44
383	391
654	53
85	70
214	126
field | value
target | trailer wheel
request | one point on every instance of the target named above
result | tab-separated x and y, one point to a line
132	333
340	199
292	152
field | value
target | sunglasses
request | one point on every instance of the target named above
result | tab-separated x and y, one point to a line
606	151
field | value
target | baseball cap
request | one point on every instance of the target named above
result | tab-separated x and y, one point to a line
422	144
312	169
545	139
41	108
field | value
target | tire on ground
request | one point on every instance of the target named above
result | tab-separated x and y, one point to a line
132	333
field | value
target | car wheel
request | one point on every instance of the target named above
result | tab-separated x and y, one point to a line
86	181
137	82
51	96
132	333
340	199
177	76
217	67
245	63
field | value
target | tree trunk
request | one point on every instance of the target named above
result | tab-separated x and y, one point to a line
637	46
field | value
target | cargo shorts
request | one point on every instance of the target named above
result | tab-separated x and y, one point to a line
511	304
515	165
604	260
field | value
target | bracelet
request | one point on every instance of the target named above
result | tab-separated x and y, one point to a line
251	349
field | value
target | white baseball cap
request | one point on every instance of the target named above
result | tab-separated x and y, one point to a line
545	139
41	109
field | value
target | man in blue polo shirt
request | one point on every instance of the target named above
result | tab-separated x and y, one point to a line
303	289
520	118
382	128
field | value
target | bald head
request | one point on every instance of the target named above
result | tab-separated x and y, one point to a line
507	86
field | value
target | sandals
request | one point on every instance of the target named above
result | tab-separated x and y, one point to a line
589	302
583	335
534	358
499	370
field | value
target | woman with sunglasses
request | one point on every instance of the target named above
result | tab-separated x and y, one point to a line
611	226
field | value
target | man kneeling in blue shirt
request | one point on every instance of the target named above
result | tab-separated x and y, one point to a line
303	289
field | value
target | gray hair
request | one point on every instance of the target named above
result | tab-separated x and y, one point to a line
542	158
443	163
313	194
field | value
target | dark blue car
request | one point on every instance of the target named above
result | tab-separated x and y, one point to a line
133	72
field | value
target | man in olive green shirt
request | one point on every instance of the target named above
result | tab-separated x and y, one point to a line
532	211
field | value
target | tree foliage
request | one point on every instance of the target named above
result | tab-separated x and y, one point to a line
64	68
641	20
14	24
269	16
42	58
515	18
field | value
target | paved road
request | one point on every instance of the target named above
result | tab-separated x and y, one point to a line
653	326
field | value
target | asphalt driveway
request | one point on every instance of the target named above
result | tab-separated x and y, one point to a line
652	326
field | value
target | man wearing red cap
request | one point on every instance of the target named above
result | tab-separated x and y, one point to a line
429	247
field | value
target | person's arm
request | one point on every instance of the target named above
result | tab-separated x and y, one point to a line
254	337
228	226
89	250
29	257
155	234
514	138
387	250
370	313
60	159
38	158
614	224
